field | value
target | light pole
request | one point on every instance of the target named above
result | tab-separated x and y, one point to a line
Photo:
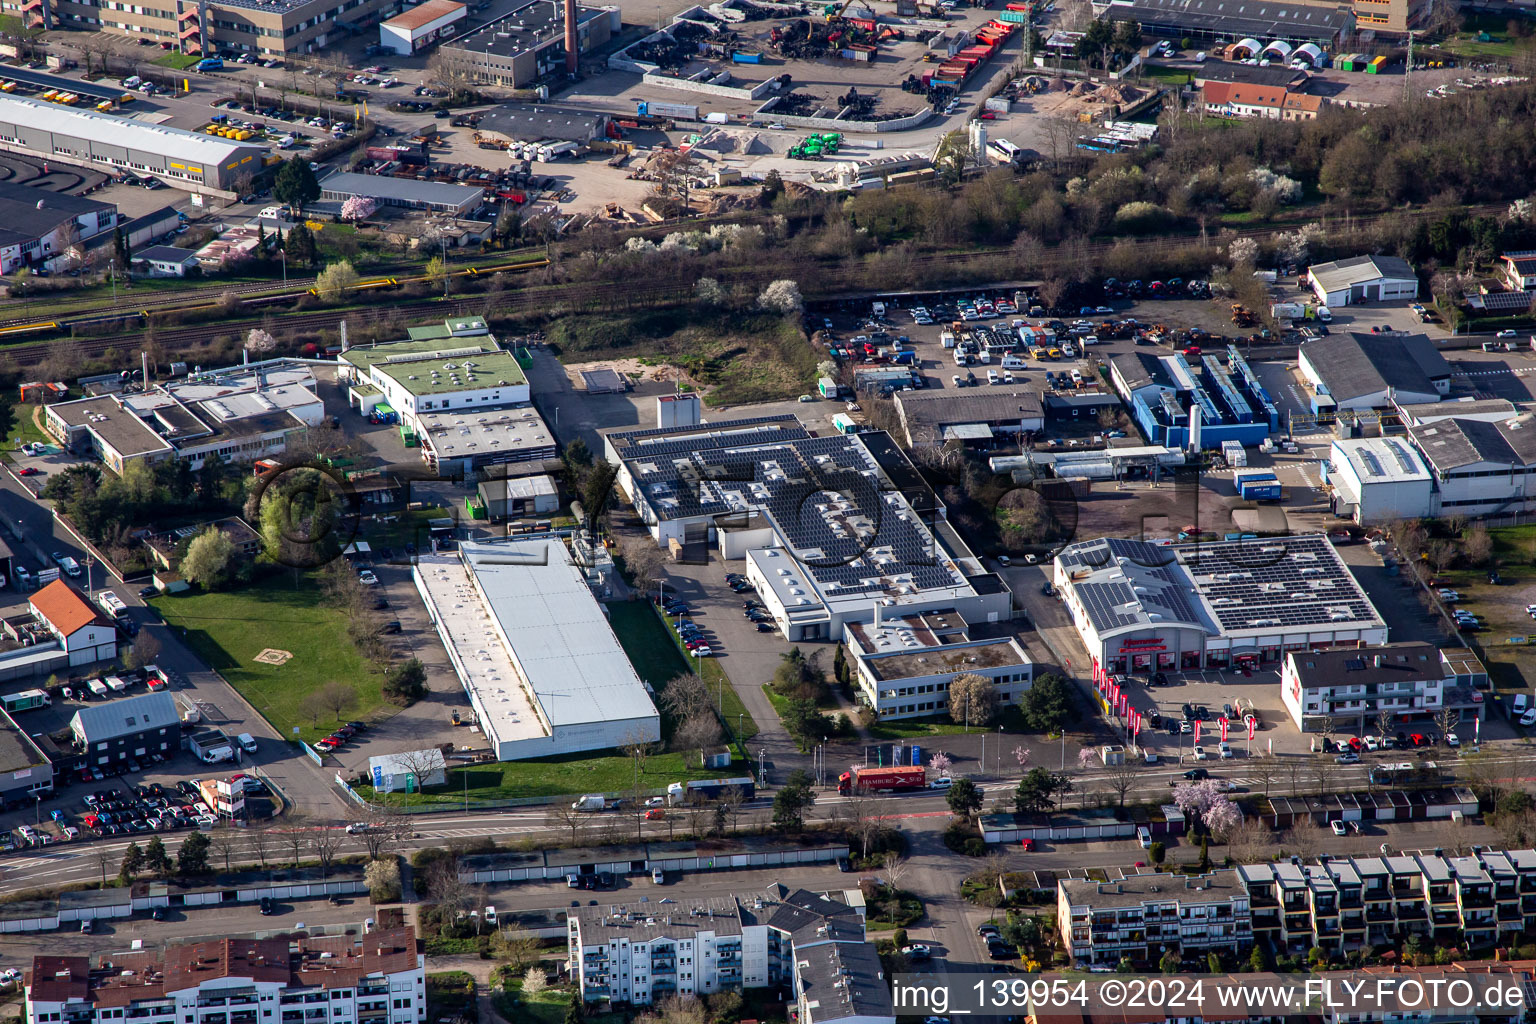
445	266
284	254
112	273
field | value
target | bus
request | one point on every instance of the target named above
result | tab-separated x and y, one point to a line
1004	151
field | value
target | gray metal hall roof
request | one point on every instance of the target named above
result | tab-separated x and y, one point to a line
1452	443
99	722
1236	18
1353	365
561	640
111	130
379	186
1341	274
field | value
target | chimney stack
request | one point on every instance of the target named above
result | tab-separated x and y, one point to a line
571	55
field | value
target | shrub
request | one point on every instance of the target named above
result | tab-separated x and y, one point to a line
1158	852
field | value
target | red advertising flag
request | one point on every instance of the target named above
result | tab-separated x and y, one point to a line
1223	728
1250	727
1197	731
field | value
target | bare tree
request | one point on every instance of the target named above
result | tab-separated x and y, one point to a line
730	803
260	840
384	829
327	842
337	698
893	871
698	732
447	889
562	815
424	764
1265	770
645	561
1121	779
638	749
295	838
221	846
1250	841
685	696
1304	839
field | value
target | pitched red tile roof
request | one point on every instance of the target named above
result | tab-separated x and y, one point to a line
65	608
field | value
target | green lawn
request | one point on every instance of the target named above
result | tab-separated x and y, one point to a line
1163	75
553	776
20	427
548	1007
177	61
228	630
940	725
658	655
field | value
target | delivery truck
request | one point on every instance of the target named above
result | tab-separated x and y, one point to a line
590	802
873	780
26	700
701	790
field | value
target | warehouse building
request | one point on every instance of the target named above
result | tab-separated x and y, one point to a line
1323	24
527	43
237	414
268	27
37	225
1143	607
421	26
25	771
127	728
833	529
1348	689
522	122
187	160
1371	371
1480	468
903	665
1376	480
533	649
983	419
1363	279
407	193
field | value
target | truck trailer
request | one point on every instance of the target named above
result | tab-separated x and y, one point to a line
700	790
26	700
867	780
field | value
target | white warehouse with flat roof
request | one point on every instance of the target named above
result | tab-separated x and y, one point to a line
534	650
1379	479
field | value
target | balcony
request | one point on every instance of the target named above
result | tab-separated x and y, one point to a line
1479	900
1379	914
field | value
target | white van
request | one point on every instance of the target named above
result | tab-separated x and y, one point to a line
247	742
942	782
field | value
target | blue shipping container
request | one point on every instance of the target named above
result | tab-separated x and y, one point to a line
747	58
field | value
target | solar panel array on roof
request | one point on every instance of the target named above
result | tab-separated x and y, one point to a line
1277	582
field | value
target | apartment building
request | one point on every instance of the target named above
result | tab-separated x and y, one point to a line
1141	916
1341	904
376	979
266	27
1349	688
803	941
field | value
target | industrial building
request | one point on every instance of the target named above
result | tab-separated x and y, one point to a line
377	977
1480	468
903	665
531	41
407	193
188	160
534	650
26	773
37	225
807	944
271	28
126	729
833	529
523	122
1377	480
1353	372
1182	406
237	414
419	27
1325	24
1348	689
1363	279
980	419
81	630
1141	607
519	496
457	364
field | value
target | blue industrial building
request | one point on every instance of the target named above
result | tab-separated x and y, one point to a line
1161	391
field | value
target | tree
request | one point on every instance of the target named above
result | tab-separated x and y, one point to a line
1121	779
295	184
1303	839
338	698
1038	791
207	559
645	561
300	245
953	156
972	699
336	281
405	683
781	296
534	983
156	861
133	862
383	880
1170	962
1046	705
575	1009
259	343
707	293
145	650
359	208
327	843
436	270
699	732
964	799
792	801
1478	545
192	858
597	492
563	815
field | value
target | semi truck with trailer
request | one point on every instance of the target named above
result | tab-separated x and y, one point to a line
881	780
699	790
